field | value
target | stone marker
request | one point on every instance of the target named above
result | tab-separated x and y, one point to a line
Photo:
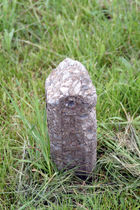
71	116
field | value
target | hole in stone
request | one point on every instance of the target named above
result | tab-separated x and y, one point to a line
71	103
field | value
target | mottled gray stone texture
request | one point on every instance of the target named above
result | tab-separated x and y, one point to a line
71	117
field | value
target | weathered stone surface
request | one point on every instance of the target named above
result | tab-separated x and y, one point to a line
71	116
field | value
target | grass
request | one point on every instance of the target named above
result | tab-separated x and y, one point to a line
34	37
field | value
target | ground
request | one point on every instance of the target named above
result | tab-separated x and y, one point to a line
34	37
